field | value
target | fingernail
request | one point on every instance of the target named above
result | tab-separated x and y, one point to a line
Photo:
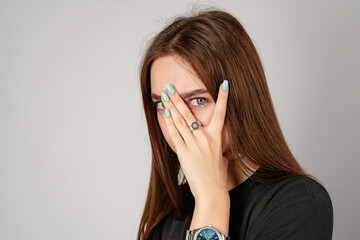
170	89
167	112
225	85
165	96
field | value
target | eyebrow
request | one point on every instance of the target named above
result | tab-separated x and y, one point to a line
184	95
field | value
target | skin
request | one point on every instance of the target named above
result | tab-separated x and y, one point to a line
166	70
203	150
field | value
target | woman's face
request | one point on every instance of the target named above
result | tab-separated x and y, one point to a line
165	70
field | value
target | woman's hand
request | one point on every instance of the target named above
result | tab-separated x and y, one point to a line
200	151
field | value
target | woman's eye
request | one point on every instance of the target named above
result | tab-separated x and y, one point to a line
196	103
156	104
199	102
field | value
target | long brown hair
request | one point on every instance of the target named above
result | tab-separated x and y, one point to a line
217	47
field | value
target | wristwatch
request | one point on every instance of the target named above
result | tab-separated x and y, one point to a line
205	233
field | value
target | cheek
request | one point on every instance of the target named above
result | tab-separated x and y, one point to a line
226	144
204	115
225	140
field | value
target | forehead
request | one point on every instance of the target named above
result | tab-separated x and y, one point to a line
173	70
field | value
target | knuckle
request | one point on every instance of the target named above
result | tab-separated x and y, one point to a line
180	122
201	136
177	100
174	134
188	115
169	123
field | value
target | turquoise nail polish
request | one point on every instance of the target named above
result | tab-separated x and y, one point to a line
165	96
170	89
225	85
167	112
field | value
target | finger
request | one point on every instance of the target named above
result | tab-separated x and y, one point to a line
180	104
173	132
178	120
218	117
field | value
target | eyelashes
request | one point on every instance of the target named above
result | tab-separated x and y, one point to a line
200	105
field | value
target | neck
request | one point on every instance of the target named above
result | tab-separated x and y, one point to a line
236	175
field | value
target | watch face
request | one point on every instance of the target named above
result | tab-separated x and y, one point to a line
207	234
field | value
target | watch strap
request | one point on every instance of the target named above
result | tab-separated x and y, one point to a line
188	234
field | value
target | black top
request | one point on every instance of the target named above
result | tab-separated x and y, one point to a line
296	207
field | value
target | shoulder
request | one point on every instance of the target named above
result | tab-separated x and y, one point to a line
296	204
296	190
300	187
157	231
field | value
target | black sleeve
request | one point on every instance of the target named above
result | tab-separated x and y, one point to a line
156	232
296	216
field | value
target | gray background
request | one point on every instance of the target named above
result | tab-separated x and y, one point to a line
74	150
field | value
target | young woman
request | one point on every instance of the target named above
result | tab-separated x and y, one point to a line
219	157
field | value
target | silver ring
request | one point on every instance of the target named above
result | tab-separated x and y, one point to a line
195	125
